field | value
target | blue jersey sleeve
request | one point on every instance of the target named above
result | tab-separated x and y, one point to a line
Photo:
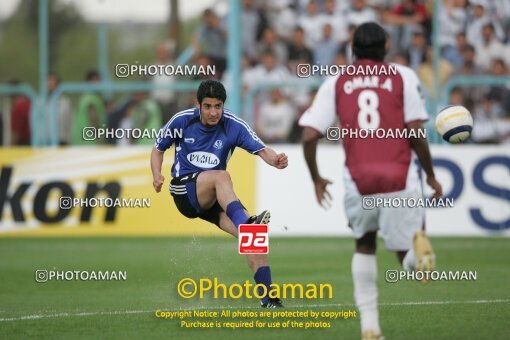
169	133
246	139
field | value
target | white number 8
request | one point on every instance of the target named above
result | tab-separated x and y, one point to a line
368	103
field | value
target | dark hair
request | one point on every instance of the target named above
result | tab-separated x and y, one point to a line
55	75
456	89
14	82
488	25
91	74
267	52
468	48
207	12
498	61
211	89
403	54
369	42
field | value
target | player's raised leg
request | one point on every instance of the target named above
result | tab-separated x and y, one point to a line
420	257
255	261
402	229
364	274
216	186
425	257
258	263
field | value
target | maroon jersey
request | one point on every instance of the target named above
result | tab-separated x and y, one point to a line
373	107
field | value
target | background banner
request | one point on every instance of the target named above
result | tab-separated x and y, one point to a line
32	181
476	177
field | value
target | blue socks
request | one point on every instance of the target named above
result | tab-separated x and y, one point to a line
235	211
263	276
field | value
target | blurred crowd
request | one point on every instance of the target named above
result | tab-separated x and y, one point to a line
91	109
278	35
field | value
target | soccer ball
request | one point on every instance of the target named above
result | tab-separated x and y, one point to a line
454	124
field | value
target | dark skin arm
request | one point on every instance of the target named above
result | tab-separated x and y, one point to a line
421	147
310	139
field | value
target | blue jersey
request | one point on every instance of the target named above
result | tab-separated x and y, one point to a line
199	148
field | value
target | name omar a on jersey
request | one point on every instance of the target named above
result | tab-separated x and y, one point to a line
367	82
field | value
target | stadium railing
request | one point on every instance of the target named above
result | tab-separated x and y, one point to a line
29	92
38	115
181	86
470	81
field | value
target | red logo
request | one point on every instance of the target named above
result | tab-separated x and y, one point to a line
253	239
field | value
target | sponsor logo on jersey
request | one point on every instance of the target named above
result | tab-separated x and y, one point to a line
203	159
218	144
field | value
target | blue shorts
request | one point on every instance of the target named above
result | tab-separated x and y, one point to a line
184	191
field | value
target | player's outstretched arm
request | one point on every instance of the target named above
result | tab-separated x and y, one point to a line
421	147
278	160
310	139
156	162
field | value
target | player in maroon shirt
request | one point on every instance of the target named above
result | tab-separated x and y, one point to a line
375	167
20	121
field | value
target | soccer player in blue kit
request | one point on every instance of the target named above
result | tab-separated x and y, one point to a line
205	138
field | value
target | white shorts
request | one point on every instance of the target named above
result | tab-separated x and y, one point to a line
397	226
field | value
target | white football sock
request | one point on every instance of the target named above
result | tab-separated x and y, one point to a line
364	274
409	262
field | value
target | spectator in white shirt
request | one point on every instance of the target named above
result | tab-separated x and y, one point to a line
227	78
282	17
312	22
478	21
453	19
360	12
489	49
501	10
267	71
275	118
300	96
333	17
165	97
64	114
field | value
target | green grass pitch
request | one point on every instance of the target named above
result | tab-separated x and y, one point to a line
125	309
